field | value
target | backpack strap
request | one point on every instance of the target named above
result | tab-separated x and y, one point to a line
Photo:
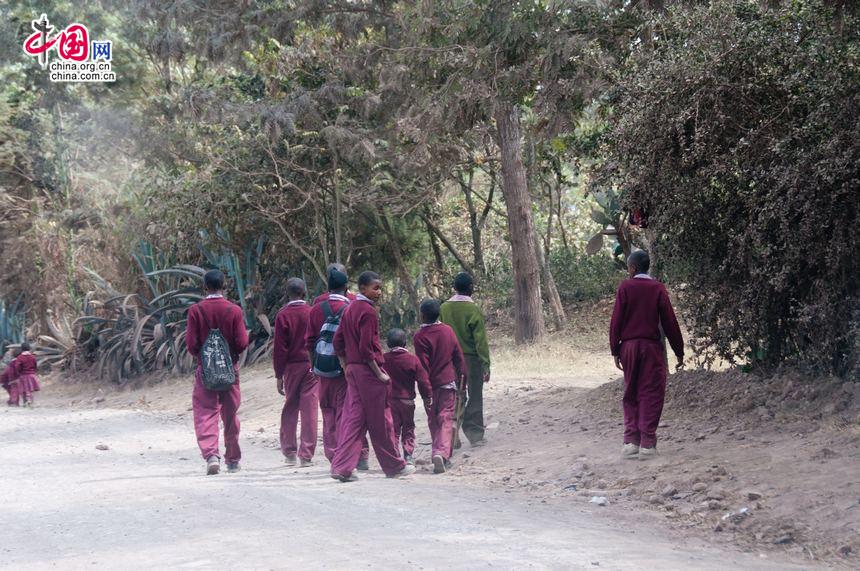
326	309
340	311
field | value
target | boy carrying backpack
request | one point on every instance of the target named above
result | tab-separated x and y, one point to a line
216	336
323	322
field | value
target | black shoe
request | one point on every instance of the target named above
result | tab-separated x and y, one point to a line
408	459
233	467
363	465
344	479
439	464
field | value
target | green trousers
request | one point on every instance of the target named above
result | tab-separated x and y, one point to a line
473	417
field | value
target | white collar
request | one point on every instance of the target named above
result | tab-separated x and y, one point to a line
214	296
431	324
338	297
459	297
399	350
365	298
297	302
642	277
26	353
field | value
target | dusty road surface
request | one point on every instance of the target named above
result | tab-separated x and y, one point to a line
145	504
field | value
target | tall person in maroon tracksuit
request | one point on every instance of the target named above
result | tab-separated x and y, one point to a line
366	408
405	371
294	377
332	390
215	312
438	349
642	310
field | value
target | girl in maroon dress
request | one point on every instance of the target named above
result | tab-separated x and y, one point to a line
19	379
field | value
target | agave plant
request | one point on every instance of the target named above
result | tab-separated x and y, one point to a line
57	350
12	321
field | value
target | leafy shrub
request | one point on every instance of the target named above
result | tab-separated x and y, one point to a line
580	277
738	133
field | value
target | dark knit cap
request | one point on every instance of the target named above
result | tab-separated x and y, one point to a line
336	279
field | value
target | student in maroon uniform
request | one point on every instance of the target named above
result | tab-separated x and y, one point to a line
20	378
294	377
437	348
642	310
215	312
366	407
405	371
332	390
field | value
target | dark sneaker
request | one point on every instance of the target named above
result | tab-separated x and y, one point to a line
406	471
305	463
478	443
213	465
344	479
439	464
409	459
363	465
233	467
290	460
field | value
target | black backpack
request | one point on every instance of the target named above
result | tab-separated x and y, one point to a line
216	363
326	363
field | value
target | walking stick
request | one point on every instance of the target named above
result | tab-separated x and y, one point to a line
462	398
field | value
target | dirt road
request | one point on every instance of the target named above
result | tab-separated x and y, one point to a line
145	503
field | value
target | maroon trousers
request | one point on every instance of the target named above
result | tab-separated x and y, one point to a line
208	406
440	418
332	394
301	397
644	363
366	409
403	417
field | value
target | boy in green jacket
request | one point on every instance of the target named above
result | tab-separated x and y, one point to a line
465	317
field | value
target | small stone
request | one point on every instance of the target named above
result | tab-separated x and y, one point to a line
97	400
602	484
753	496
669	491
700	487
783	539
102	447
845	550
700	437
599	500
719	527
261	429
714	505
656	500
715	495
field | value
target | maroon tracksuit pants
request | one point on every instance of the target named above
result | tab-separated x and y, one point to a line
366	409
208	406
644	363
440	419
332	394
301	397
403	416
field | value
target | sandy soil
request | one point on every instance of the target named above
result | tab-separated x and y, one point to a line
770	467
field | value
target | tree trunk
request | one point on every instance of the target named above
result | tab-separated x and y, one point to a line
451	248
550	291
529	326
400	266
474	224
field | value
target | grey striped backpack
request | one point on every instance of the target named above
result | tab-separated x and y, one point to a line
326	363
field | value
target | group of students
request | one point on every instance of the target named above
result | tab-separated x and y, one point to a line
19	377
328	357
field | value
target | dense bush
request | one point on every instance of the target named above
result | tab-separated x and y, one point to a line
584	278
738	132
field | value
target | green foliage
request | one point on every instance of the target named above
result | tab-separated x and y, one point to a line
12	321
584	277
738	133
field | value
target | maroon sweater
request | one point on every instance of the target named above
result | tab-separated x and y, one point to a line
291	327
642	306
324	296
23	364
316	318
357	337
437	348
405	371
216	313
